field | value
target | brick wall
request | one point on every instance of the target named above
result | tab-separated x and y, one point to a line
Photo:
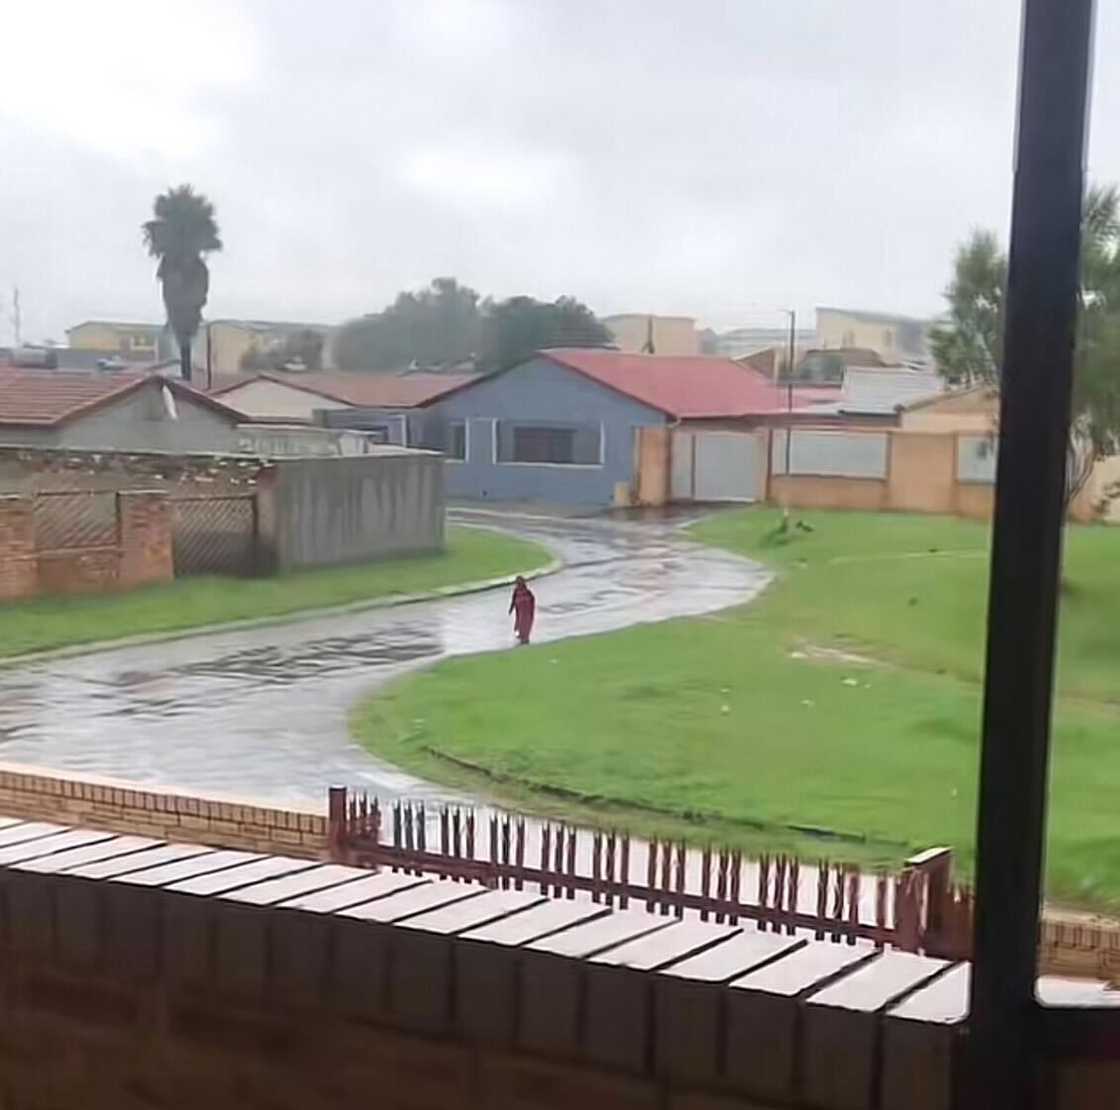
279	984
141	555
118	807
18	572
34	469
144	531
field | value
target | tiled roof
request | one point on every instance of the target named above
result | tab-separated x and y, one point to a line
368	390
684	387
45	398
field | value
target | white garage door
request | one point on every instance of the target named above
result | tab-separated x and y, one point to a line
729	466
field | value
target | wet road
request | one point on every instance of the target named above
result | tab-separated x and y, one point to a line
262	714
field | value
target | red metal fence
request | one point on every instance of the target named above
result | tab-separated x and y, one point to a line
917	910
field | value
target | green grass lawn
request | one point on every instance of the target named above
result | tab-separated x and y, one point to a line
743	720
471	555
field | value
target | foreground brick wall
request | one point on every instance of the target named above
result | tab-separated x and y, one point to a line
120	808
139	975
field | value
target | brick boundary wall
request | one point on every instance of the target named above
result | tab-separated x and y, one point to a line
266	985
118	807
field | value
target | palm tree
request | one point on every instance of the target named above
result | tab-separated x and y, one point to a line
182	231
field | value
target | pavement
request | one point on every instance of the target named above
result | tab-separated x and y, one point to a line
261	713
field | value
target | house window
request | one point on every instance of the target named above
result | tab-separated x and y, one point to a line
456	446
550	444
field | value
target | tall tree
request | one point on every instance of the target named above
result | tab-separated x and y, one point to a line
516	328
180	234
432	327
968	346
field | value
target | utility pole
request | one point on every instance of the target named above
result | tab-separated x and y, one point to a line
17	322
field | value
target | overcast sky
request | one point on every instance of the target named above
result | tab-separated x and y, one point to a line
704	158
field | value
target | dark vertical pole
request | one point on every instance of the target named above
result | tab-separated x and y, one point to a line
1026	546
209	361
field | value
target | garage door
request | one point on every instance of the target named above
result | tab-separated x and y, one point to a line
729	466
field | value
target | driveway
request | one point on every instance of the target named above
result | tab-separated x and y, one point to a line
262	714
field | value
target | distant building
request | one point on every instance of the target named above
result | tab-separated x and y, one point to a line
231	340
830	365
131	342
896	339
670	335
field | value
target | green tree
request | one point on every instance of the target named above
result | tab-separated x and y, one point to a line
432	327
516	328
968	346
180	234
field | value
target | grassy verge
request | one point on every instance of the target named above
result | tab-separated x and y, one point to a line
471	555
846	699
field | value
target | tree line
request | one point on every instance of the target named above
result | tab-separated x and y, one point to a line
448	324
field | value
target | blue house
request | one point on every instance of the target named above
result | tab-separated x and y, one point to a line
582	426
589	426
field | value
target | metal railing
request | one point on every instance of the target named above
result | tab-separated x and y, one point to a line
917	910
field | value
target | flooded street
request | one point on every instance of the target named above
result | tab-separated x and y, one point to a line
261	714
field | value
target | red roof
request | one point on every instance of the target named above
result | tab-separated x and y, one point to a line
691	387
45	398
395	391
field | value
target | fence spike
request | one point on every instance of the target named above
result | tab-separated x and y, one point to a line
571	865
596	862
793	894
505	851
853	904
705	878
822	896
837	902
470	834
546	845
624	871
651	873
736	883
682	862
520	853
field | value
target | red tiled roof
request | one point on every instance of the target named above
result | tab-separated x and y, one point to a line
45	398
685	386
371	390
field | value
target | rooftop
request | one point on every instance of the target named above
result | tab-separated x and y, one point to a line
882	391
412	390
683	386
47	398
873	317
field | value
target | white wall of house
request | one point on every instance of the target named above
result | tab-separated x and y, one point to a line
267	400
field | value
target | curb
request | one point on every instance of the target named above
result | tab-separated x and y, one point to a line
462	589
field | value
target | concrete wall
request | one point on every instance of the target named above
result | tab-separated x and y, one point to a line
541	391
282	441
319	512
655	447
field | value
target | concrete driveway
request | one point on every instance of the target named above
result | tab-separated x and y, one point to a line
262	714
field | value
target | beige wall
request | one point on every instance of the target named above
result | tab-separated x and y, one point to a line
922	471
814	492
653	465
140	344
672	335
837	329
228	343
971	411
267	400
